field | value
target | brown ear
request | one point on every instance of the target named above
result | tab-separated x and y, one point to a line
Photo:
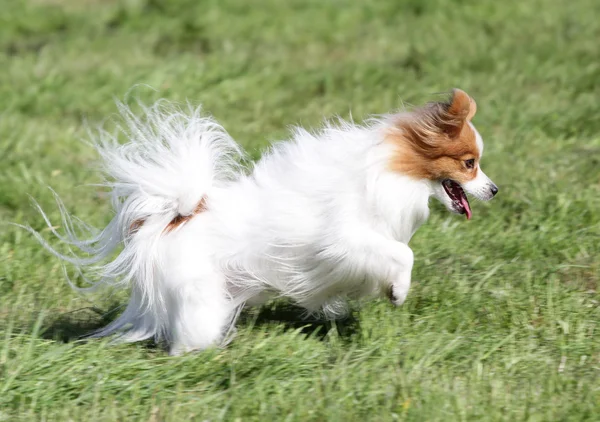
460	109
472	110
460	104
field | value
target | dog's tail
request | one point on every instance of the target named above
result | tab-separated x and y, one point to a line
158	180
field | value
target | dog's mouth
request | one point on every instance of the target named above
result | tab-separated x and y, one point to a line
460	203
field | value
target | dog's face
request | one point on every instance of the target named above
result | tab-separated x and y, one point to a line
460	172
439	143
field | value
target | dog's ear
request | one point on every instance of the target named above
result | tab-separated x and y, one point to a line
428	128
472	109
460	109
460	104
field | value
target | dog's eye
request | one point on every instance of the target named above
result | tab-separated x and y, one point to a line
470	163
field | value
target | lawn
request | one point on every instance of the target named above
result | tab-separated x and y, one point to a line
503	320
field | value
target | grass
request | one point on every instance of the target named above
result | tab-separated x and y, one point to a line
503	321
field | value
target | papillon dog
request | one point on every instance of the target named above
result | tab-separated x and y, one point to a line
198	232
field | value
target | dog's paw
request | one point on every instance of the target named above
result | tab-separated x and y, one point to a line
397	294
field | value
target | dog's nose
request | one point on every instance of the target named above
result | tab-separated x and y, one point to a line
494	189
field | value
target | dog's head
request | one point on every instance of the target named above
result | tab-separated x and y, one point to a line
439	143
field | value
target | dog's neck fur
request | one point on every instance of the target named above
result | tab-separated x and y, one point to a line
398	204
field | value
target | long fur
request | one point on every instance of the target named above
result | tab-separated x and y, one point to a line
319	219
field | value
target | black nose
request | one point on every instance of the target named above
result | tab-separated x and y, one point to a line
494	189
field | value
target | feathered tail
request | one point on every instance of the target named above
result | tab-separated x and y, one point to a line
157	179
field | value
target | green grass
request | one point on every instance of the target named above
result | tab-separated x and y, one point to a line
503	321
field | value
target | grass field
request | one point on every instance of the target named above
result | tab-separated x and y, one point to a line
503	322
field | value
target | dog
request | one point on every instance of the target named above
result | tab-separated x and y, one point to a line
320	219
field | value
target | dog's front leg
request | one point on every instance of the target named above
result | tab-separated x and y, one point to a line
400	275
389	261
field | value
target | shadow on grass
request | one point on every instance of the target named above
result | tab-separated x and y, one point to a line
294	317
78	324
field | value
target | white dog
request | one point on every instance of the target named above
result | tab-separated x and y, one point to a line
322	218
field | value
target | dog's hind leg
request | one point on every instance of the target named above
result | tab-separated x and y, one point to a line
200	315
198	306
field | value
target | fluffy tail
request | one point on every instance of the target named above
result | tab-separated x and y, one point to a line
158	179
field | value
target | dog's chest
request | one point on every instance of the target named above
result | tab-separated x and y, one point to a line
399	208
406	222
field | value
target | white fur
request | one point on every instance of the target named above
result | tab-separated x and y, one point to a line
319	219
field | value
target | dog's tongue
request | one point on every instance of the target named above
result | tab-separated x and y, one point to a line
465	203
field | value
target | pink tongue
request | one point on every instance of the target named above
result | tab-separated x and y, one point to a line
465	204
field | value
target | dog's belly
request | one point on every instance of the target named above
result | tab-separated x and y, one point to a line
303	275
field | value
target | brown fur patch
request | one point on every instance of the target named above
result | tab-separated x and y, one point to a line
433	142
182	219
135	226
176	222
